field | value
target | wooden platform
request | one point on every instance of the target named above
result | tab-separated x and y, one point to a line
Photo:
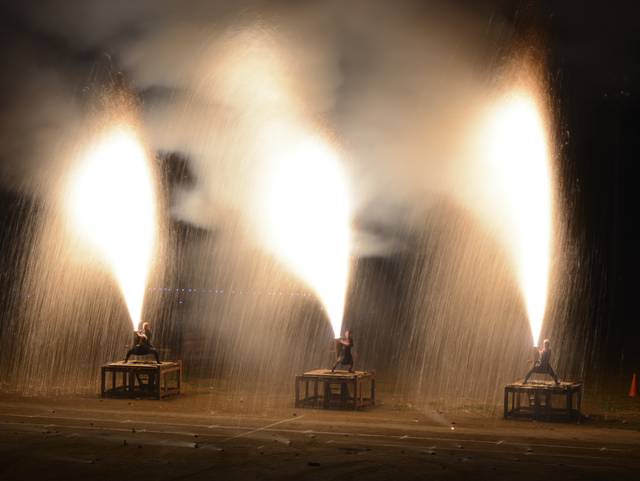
321	388
141	379
543	400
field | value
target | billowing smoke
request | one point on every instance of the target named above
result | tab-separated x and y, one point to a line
390	84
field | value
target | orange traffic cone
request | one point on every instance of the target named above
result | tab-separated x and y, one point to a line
633	390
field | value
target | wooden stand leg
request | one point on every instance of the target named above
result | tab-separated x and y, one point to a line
327	394
579	403
356	394
132	383
506	403
179	376
373	392
316	401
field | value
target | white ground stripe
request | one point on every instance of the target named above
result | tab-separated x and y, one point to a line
110	429
264	428
310	431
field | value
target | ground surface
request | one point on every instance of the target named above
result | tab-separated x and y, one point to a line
195	437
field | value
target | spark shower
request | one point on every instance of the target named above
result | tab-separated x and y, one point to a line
305	216
304	221
300	206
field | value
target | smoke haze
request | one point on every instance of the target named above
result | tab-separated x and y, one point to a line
394	88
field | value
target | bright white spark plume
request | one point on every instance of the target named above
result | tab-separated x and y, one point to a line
519	173
306	217
112	203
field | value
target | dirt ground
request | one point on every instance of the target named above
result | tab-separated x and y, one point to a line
209	434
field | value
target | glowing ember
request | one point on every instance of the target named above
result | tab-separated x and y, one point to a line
111	201
518	162
306	218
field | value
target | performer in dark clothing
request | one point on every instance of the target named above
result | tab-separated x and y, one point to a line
142	343
346	357
542	364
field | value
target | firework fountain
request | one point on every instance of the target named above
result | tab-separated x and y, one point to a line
307	220
111	202
517	162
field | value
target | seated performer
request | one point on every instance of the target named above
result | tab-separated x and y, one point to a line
345	358
542	364
142	343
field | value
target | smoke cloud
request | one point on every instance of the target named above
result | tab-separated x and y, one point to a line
389	85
